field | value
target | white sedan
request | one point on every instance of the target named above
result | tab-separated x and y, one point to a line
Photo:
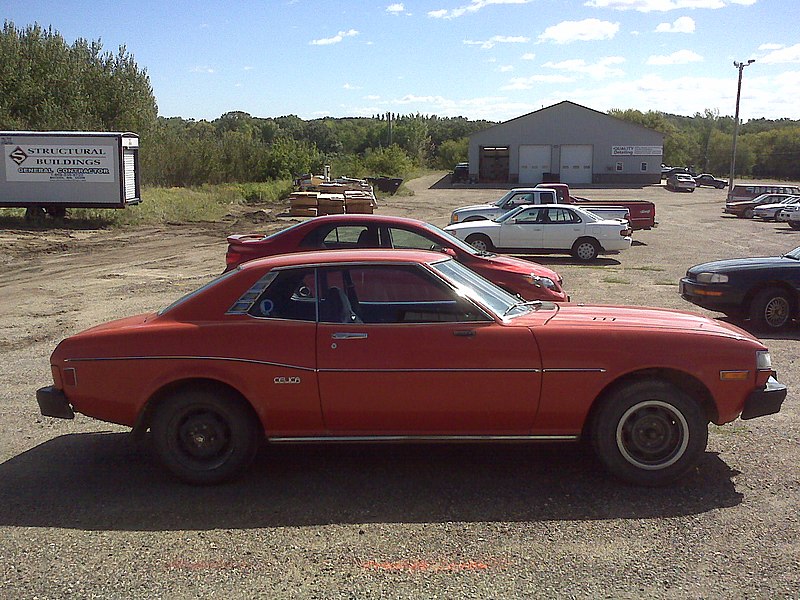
769	212
550	228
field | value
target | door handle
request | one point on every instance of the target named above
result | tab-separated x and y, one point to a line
349	336
464	333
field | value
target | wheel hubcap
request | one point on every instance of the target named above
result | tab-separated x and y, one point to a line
203	436
479	245
776	312
652	435
585	251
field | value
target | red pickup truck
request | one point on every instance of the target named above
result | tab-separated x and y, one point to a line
642	212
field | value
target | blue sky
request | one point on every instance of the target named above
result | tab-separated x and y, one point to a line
481	59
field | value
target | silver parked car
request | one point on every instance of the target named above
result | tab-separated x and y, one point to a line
769	212
681	182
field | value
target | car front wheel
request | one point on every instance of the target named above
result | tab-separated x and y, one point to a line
205	435
770	309
794	224
480	242
586	249
649	433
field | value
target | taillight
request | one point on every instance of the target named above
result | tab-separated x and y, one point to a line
232	258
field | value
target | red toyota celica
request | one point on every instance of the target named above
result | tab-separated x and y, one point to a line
399	345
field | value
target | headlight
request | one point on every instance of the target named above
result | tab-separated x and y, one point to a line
712	278
542	281
454	218
763	360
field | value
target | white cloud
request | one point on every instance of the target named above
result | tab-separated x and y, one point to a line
679	25
681	57
202	70
335	39
646	6
497	39
528	56
602	69
505	68
586	30
782	55
372	97
395	9
473	7
527	83
770	46
350	86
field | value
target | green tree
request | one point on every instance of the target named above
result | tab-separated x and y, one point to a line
47	84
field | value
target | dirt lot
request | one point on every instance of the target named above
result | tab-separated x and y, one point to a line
86	512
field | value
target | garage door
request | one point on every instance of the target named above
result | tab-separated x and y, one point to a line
576	164
534	161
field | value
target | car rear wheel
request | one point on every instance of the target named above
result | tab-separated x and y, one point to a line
794	224
586	249
205	435
770	309
748	213
480	242
649	433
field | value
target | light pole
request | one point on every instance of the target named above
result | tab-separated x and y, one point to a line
740	66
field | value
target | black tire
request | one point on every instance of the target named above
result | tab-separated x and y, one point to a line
57	212
770	309
586	249
205	435
794	224
649	433
719	186
748	213
35	215
480	242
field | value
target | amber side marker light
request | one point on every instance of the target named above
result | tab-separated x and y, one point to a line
734	375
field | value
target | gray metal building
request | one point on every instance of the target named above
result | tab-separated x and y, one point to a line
569	143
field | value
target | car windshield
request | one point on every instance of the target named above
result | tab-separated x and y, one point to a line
794	254
473	286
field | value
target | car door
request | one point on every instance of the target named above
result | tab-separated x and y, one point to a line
522	230
560	228
420	360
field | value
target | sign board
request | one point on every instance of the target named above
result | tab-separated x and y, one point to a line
54	163
637	150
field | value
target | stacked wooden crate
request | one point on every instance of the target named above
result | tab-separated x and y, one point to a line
319	197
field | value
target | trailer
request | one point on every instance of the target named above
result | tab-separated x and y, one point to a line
51	171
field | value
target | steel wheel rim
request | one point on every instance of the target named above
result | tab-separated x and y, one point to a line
652	435
202	439
776	312
585	251
479	245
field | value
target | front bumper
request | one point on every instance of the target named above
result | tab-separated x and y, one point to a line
713	296
766	401
53	403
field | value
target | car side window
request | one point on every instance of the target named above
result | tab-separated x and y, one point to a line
403	238
290	295
560	216
386	294
528	216
520	199
352	236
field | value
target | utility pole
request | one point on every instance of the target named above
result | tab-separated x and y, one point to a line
740	66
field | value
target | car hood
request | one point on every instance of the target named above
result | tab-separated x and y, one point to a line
738	264
476	207
518	265
641	318
483	225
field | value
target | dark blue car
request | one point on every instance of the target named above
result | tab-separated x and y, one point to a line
764	290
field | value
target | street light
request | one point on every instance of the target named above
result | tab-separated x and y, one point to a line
740	66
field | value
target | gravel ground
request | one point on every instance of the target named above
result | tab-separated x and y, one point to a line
86	512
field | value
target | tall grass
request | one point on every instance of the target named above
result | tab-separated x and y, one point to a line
162	206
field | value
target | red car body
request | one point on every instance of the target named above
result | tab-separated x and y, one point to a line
530	280
377	345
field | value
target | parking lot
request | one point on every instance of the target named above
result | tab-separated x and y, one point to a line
86	512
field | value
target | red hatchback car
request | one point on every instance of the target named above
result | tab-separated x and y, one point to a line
530	280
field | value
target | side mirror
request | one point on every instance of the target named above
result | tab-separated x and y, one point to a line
449	251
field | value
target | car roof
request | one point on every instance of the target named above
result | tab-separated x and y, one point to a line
325	257
362	218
